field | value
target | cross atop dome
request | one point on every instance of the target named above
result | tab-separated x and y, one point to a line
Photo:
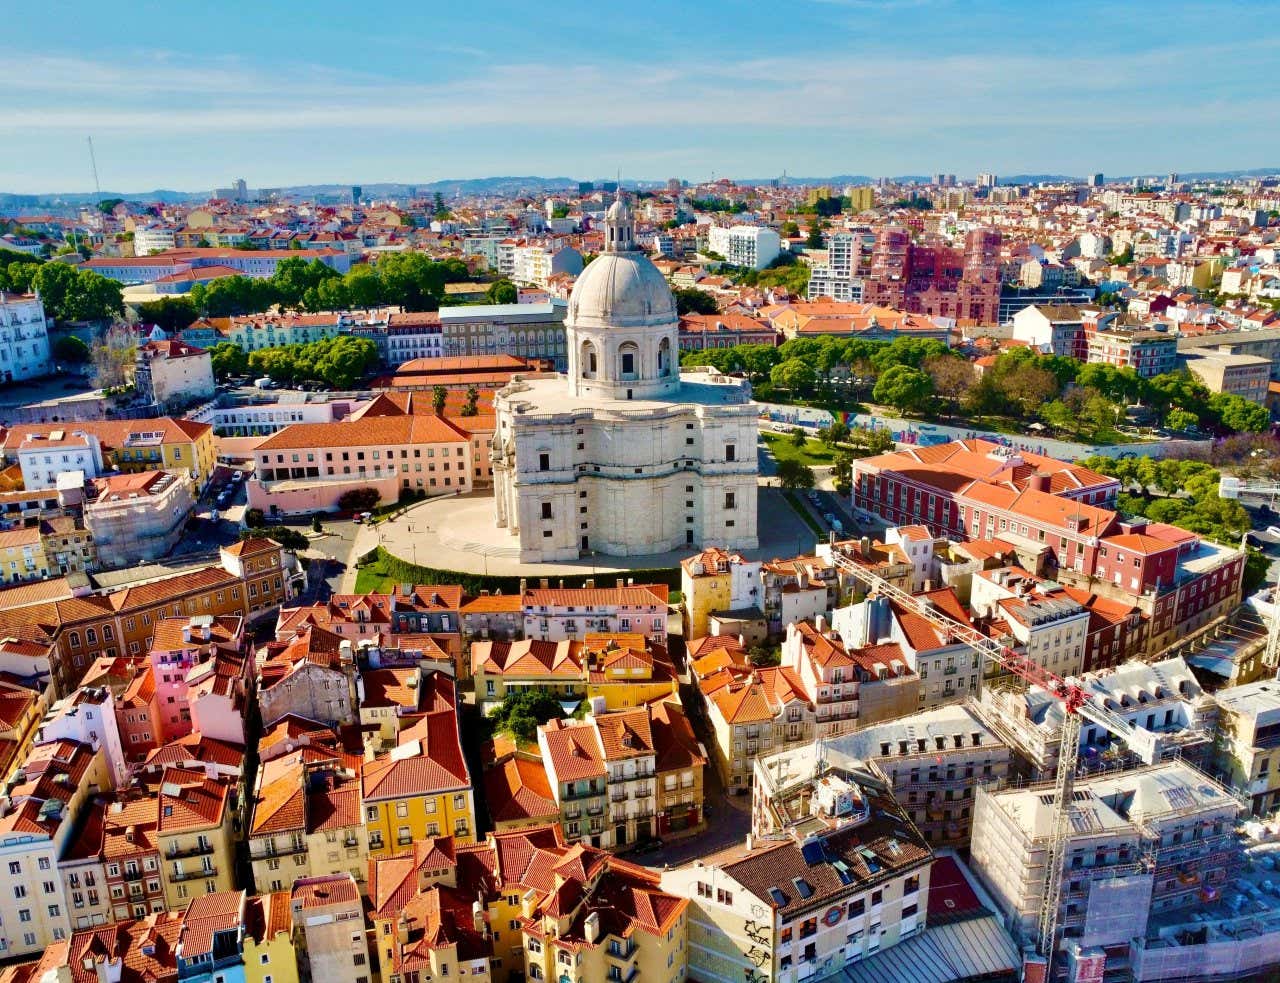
619	226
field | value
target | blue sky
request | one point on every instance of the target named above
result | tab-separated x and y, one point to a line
192	95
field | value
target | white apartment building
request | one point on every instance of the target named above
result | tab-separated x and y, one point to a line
751	246
948	669
534	265
154	240
41	799
173	372
24	338
42	458
88	716
630	757
934	761
840	277
845	876
1049	626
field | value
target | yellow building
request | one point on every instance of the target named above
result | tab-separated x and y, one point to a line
424	923
388	696
716	581
269	956
627	670
421	788
862	198
601	918
195	834
500	666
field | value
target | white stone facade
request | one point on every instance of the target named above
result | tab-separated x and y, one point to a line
24	338
621	456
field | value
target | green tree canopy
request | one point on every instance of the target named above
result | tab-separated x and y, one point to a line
523	711
691	300
906	389
170	313
793	474
70	349
794	375
501	292
228	359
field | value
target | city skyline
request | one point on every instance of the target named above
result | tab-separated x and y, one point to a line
813	87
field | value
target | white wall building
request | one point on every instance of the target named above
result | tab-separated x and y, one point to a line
42	458
148	241
620	456
745	245
24	338
173	372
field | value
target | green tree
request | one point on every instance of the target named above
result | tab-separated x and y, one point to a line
794	375
19	277
1058	416
108	205
439	396
792	474
1029	386
290	539
523	711
798	437
691	300
71	350
842	472
170	313
814	239
837	433
295	276
470	407
952	377
790	230
364	286
501	292
1237	414
906	389
345	361
93	297
56	282
1177	419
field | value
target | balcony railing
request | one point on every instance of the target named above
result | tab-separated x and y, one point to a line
193	875
193	851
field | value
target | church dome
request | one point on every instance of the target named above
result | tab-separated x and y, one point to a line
621	289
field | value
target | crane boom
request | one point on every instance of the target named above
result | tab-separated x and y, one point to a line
1077	703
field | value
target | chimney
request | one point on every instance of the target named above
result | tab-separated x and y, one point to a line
477	917
591	927
524	585
589	583
1038	482
544	583
621	583
864	547
820	625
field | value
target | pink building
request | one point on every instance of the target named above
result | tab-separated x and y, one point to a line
138	712
179	646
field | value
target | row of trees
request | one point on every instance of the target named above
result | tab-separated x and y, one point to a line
923	376
408	280
68	293
339	362
1182	493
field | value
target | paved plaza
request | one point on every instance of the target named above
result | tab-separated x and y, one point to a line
459	534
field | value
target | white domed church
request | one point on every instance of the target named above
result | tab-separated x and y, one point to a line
624	455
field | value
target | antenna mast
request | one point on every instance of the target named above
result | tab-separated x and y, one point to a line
93	161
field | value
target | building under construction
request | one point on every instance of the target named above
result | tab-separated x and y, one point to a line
1141	845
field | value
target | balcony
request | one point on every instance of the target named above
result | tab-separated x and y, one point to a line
174	852
570	795
621	950
193	875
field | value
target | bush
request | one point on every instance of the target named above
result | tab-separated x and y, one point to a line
290	539
315	522
359	500
255	518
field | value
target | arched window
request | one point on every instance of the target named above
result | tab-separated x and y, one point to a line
628	360
664	357
587	360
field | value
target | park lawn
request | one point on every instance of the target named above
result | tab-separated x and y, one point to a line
814	453
373	578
